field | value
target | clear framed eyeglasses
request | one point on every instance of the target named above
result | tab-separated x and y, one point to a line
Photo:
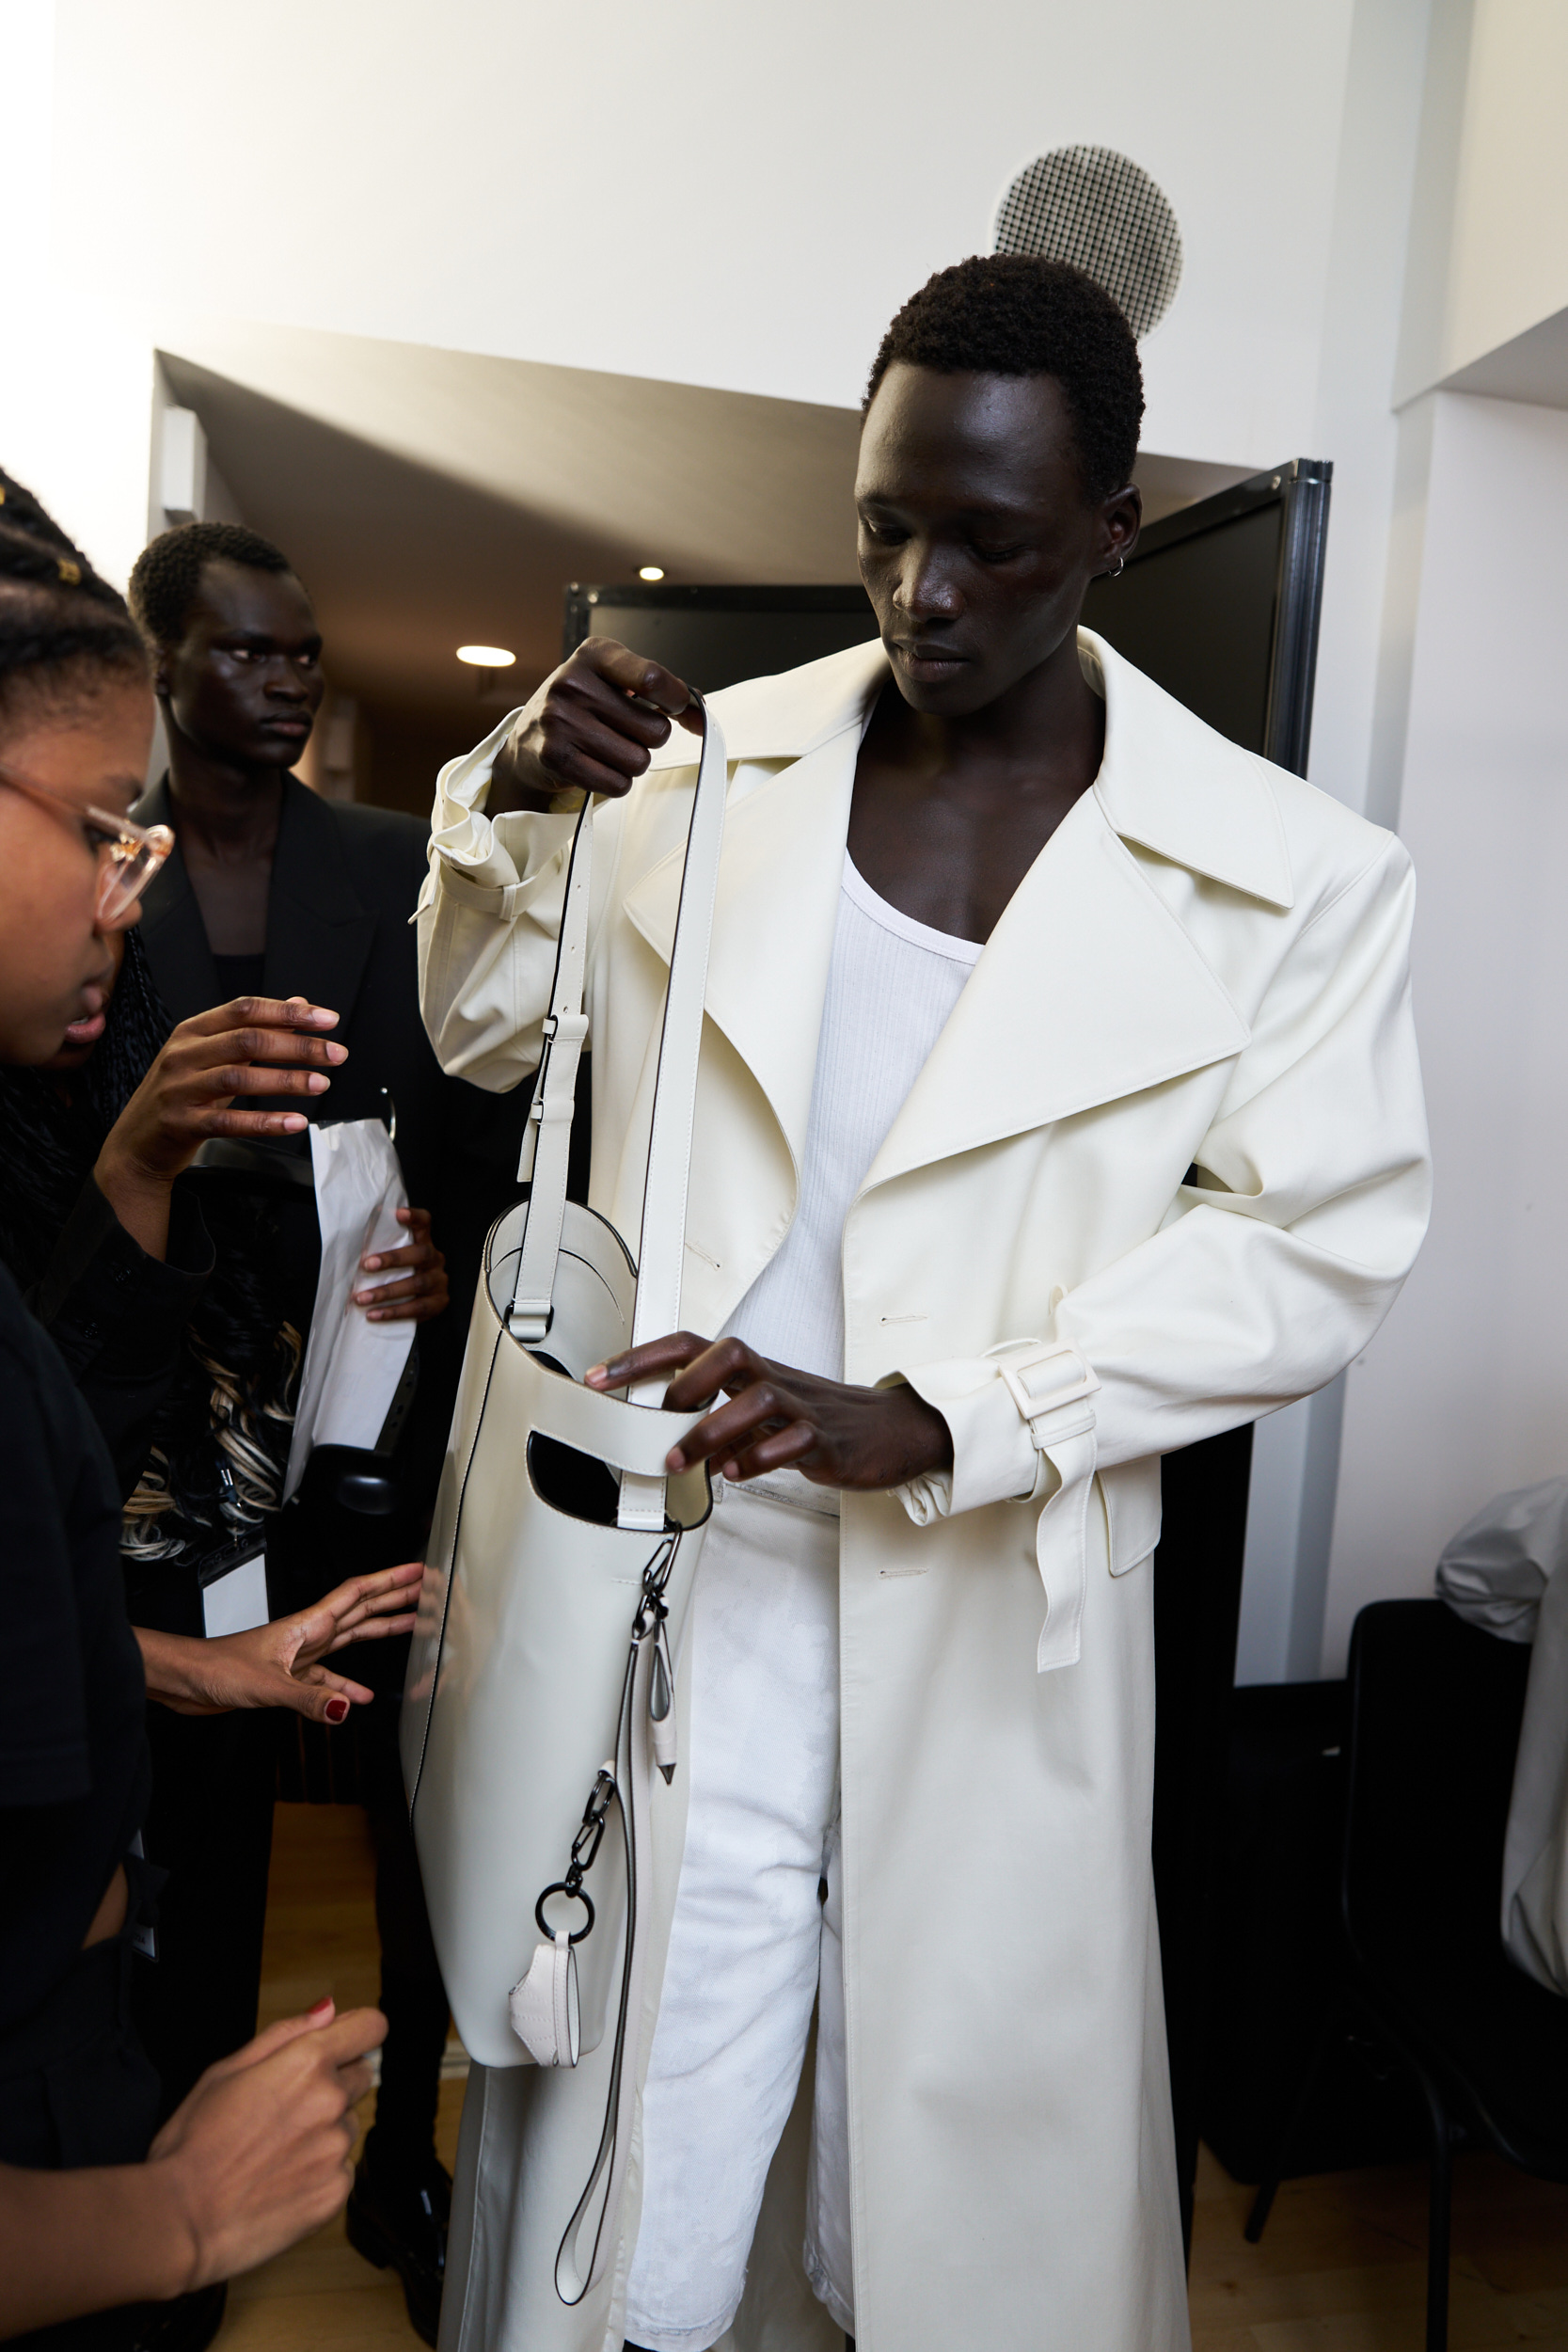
128	854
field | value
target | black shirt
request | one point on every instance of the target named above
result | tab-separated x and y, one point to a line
74	1768
118	1317
239	976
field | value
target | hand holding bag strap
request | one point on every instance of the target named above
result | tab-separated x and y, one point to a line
662	1249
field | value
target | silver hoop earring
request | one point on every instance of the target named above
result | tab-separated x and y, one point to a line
1116	573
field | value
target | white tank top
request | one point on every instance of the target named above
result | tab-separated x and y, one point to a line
891	986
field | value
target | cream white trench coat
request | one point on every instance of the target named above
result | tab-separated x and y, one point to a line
1165	1170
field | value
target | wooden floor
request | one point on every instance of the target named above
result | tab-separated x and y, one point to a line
1341	2267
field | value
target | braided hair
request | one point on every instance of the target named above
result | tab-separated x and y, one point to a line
63	630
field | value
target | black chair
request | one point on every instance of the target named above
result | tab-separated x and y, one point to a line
1434	1713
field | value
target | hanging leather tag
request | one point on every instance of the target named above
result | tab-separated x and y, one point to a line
661	1706
544	2004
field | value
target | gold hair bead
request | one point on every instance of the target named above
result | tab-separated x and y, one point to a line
71	573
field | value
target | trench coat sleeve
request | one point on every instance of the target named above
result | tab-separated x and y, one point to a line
489	919
1278	1258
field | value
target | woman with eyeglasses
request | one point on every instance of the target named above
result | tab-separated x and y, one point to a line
97	2215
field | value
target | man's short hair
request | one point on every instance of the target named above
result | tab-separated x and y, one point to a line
1017	314
167	578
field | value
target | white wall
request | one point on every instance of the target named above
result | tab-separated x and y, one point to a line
1296	1453
1490	257
1464	1392
728	195
75	370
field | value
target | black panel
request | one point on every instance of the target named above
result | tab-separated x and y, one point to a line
714	637
1198	618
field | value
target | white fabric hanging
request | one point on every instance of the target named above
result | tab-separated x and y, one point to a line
1508	1571
352	1365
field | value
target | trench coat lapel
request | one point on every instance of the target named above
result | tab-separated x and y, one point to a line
780	875
1088	989
319	933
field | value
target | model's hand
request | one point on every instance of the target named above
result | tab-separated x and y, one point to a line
422	1293
776	1419
259	2152
279	1665
196	1089
590	727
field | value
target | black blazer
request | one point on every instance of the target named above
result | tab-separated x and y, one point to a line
344	882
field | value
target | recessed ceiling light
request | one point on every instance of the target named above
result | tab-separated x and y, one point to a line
487	657
651	571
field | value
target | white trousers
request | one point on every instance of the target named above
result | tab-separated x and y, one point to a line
751	1934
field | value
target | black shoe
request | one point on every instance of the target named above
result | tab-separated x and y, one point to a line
186	2324
401	2219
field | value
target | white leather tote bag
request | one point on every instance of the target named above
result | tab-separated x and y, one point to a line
540	1691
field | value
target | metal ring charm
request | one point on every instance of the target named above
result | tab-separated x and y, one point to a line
577	1895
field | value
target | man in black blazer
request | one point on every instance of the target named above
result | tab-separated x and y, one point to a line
271	890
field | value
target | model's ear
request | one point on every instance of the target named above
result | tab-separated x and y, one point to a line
1120	520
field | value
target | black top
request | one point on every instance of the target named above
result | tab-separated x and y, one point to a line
74	1768
119	1317
344	881
238	975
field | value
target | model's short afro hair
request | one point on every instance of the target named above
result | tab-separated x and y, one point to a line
167	578
1017	314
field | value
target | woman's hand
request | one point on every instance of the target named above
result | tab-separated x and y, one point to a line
261	2149
279	1665
423	1292
589	728
256	1045
777	1419
256	2157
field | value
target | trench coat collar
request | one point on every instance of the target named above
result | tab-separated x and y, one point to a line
319	933
1088	989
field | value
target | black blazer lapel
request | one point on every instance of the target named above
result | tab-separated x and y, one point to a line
319	931
172	931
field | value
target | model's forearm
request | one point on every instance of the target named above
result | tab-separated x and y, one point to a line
77	2242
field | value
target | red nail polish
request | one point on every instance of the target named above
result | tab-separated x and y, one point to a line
336	1711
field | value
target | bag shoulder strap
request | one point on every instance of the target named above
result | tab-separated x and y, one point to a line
661	1246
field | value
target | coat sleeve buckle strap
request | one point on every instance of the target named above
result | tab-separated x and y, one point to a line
1042	1381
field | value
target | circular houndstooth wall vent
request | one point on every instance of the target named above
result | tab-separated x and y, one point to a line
1100	211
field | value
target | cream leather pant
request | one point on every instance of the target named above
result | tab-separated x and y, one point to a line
751	1935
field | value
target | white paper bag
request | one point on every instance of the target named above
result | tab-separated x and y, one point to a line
352	1365
236	1601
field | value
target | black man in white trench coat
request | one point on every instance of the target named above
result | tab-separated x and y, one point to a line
1162	1169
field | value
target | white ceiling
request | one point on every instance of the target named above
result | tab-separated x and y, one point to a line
432	499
